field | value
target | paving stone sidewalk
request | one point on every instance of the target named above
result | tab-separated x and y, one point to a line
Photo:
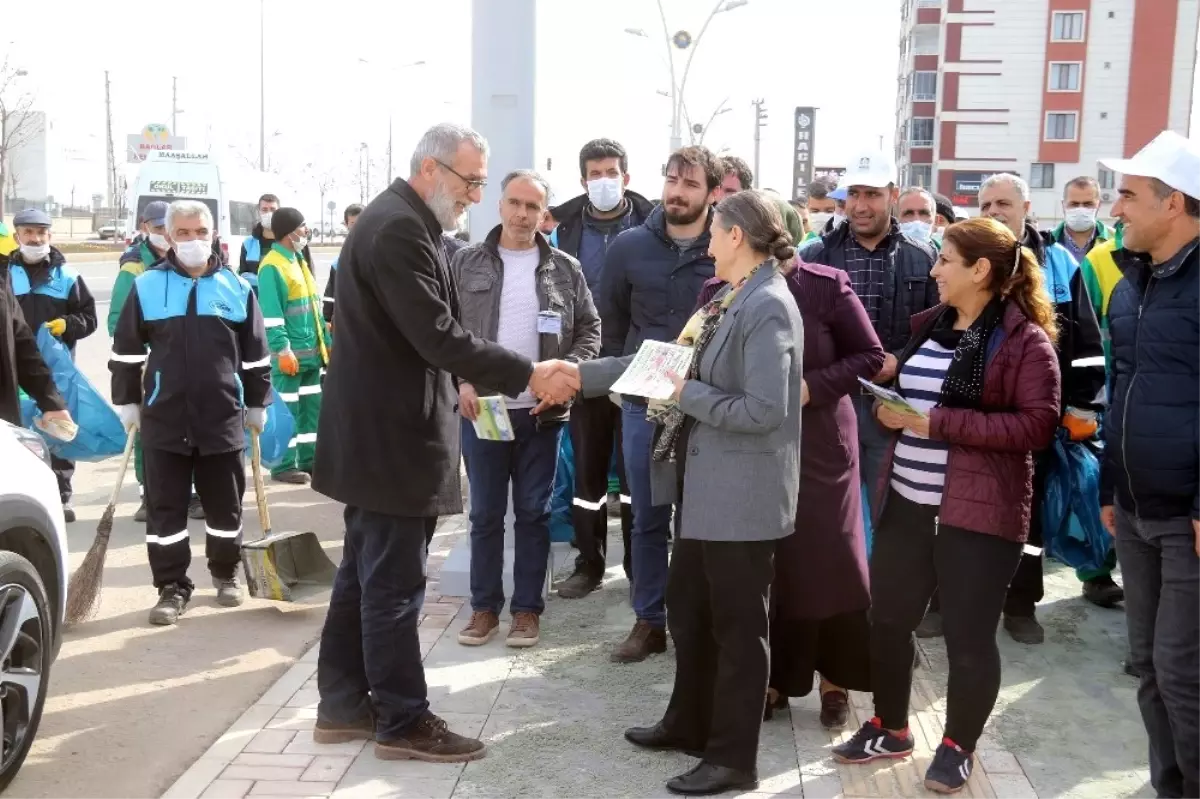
1066	723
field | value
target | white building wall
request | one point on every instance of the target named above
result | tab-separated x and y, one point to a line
1183	71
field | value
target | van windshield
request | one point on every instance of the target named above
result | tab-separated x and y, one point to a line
146	199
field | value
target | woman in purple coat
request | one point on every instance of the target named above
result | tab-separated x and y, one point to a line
821	595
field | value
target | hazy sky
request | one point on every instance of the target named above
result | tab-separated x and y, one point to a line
321	103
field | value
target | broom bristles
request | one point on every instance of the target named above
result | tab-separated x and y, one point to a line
83	592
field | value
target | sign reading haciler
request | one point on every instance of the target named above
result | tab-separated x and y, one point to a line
153	138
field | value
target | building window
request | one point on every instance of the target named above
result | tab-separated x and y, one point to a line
1064	76
925	40
1061	126
1041	176
920	175
921	132
1106	178
1068	26
924	86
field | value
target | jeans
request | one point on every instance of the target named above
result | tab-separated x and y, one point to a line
651	523
873	443
531	460
370	659
1162	575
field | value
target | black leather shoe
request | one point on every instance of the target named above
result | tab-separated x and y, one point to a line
659	739
707	779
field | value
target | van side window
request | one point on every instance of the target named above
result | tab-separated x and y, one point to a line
242	218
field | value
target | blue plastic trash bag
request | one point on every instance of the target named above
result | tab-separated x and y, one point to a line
868	531
562	528
1071	528
101	434
278	430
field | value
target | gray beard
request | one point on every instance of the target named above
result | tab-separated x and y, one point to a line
441	202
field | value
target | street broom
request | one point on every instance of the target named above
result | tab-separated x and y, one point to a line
83	592
282	566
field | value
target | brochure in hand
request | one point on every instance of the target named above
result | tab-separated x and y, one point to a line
891	399
492	423
647	375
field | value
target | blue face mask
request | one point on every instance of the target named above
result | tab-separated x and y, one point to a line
918	230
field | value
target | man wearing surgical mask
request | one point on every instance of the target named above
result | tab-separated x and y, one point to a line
258	244
917	212
587	226
1080	230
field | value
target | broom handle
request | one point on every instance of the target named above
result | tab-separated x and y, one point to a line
260	491
130	437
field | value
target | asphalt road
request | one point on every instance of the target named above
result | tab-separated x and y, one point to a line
130	707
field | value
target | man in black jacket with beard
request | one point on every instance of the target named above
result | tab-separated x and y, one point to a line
587	226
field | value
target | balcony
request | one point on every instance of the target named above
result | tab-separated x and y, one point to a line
920	143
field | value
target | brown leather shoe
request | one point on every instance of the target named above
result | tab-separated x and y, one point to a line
330	732
835	710
480	629
431	741
642	642
524	630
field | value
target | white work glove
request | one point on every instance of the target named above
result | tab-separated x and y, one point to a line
256	418
131	416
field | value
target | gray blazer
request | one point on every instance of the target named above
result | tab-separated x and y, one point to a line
743	459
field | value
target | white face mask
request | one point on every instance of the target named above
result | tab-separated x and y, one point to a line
159	242
300	243
1081	219
817	220
266	219
193	253
918	230
838	219
604	193
34	253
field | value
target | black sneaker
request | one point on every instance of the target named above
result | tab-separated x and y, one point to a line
68	513
141	513
1103	592
873	742
950	769
172	602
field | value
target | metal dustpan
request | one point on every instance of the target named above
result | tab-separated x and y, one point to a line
284	567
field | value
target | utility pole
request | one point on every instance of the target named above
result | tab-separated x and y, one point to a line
262	91
112	160
760	121
175	106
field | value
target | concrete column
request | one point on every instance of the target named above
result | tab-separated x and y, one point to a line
503	55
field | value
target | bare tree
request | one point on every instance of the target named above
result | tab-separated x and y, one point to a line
18	123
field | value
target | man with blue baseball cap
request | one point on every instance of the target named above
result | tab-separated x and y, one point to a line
51	295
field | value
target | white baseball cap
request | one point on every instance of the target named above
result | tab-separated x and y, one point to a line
1169	157
873	168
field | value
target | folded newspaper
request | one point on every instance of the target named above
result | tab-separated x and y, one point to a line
891	399
648	375
492	423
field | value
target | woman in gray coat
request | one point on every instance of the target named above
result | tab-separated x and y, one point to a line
727	450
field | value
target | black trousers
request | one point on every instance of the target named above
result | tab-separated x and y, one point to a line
912	555
718	594
370	660
220	481
595	432
64	470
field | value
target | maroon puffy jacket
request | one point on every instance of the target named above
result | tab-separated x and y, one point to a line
989	469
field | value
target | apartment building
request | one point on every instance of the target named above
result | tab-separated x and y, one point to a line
1039	88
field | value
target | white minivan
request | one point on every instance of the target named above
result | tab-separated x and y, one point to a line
231	194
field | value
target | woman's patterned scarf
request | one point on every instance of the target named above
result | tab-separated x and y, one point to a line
697	334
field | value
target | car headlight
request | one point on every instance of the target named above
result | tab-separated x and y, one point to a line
33	442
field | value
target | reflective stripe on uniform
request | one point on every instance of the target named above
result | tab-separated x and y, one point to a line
247	365
215	533
119	358
1029	549
286	397
583	503
304	353
165	540
327	299
626	499
1094	360
273	321
306	438
304	390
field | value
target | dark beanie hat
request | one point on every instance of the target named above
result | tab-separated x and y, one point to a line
285	221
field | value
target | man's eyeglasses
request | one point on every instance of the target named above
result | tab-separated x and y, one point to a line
472	183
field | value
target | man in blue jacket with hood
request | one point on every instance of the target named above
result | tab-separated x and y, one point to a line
652	277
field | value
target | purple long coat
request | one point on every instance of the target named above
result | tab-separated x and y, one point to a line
821	571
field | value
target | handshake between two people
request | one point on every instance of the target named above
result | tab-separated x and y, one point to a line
552	382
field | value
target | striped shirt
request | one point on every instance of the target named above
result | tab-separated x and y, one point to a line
919	464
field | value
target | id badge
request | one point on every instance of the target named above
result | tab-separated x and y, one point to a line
549	323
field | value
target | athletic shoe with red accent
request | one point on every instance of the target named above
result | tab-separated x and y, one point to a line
950	769
873	742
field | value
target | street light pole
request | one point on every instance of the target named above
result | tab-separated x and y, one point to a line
262	90
391	113
760	119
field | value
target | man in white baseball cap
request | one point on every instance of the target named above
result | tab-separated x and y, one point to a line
888	271
1150	482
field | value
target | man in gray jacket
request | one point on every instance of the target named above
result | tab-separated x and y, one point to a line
519	292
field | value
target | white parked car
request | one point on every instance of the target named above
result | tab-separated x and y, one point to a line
33	588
